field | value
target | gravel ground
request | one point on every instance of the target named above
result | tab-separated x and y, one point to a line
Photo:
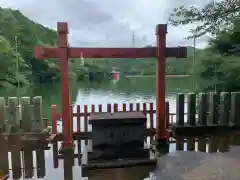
182	165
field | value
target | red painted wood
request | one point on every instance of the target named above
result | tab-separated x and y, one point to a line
64	84
131	107
85	118
161	32
115	107
54	118
167	115
109	108
138	107
99	108
78	118
93	108
71	118
151	115
74	52
124	107
55	155
145	109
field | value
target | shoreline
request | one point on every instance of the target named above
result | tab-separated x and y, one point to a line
168	75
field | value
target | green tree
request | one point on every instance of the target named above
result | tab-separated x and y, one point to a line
212	18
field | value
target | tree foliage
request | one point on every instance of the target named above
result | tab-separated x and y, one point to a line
212	18
219	64
29	34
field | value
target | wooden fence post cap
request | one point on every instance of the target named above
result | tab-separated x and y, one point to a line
161	29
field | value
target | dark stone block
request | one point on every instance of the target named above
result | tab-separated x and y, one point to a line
118	135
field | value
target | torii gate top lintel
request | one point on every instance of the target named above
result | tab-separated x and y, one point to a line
63	52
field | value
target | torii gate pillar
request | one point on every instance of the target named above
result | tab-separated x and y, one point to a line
161	31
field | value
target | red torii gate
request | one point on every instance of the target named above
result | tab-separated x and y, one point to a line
64	52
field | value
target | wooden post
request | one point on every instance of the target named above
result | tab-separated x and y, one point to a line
40	161
28	161
86	121
161	31
151	115
179	144
2	115
13	122
213	108
37	109
4	157
202	144
63	54
191	113
190	143
26	114
79	142
224	143
55	154
180	110
16	162
213	144
167	114
235	108
202	113
224	108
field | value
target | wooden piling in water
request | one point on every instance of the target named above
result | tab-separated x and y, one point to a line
167	114
3	116
13	119
235	109
40	161
16	162
86	121
202	144
78	130
28	161
3	157
37	124
190	143
26	114
213	108
202	112
179	144
224	109
180	110
191	113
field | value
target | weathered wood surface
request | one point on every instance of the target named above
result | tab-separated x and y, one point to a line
214	113
21	115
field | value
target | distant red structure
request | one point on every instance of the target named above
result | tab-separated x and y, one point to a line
114	74
63	52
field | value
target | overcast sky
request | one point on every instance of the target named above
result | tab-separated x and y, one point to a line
109	22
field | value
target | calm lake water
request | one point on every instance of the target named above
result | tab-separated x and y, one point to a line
125	90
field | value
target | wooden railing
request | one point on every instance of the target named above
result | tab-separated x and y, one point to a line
201	108
82	113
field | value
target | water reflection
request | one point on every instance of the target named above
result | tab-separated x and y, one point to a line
38	159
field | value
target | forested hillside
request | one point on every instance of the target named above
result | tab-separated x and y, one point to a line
145	66
14	24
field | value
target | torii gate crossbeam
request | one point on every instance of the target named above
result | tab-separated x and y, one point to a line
63	52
